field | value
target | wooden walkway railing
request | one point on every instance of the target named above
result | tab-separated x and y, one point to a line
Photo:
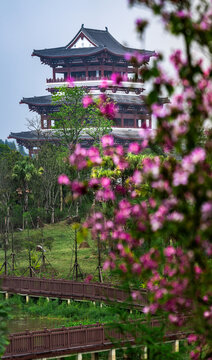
56	342
67	289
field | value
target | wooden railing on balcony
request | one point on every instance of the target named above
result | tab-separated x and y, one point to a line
84	78
67	289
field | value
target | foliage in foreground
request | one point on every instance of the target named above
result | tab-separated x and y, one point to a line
164	240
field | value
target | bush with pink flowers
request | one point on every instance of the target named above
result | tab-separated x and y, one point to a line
162	238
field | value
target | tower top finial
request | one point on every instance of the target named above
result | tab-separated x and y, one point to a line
106	28
82	26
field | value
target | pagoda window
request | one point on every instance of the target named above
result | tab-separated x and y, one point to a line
139	123
117	122
45	124
128	122
78	74
60	76
52	123
92	74
107	73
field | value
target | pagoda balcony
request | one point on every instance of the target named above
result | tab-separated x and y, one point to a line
94	83
90	78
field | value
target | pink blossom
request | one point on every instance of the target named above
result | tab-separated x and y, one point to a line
187	164
134	148
198	155
117	78
105	195
106	265
105	181
151	166
137	177
63	180
197	270
194	355
120	162
107	140
147	134
160	111
109	109
87	100
175	216
146	309
136	268
70	81
180	177
93	154
173	318
207	314
78	158
104	84
93	182
161	185
78	188
152	202
169	251
123	268
183	14
88	279
109	224
138	57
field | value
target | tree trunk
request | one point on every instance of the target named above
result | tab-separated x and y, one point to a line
52	214
61	198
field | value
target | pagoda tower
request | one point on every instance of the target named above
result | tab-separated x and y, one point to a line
91	56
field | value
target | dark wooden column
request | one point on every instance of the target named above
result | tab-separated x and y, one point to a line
53	74
68	72
134	125
122	120
30	152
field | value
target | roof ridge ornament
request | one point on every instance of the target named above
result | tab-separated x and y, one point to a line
106	28
82	26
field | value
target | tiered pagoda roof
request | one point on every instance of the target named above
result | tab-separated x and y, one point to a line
98	40
36	138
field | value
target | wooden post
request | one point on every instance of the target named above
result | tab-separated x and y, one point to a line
79	356
68	301
48	299
95	356
112	354
27	298
176	346
6	295
145	353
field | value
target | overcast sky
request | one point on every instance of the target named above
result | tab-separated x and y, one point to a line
37	24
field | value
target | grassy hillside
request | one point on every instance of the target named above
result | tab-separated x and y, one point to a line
59	246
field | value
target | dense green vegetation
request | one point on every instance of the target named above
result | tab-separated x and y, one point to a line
11	145
77	312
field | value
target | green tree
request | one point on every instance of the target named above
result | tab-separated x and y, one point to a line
23	172
72	119
46	189
4	316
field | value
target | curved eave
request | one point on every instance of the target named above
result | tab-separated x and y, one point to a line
148	53
35	104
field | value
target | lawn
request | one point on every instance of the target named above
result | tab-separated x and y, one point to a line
60	254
